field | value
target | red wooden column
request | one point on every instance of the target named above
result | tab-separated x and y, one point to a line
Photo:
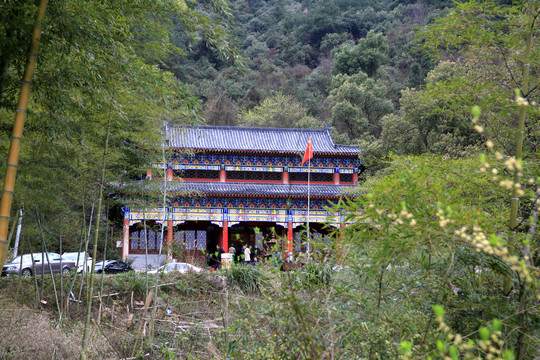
149	174
355	178
125	240
225	238
336	178
222	175
290	239
170	234
285	177
169	174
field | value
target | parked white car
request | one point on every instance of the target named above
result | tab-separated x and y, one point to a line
81	259
36	264
178	267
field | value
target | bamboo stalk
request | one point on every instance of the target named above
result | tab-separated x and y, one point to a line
50	267
83	232
164	219
16	137
84	275
94	253
18	233
104	248
508	283
523	288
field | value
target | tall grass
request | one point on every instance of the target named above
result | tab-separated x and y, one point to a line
250	279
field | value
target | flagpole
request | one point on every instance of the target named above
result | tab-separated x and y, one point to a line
308	183
307	157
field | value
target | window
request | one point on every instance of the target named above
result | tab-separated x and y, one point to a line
298	177
197	174
140	239
315	177
254	175
345	178
192	239
322	177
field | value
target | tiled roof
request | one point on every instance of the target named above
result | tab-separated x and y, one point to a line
258	140
240	189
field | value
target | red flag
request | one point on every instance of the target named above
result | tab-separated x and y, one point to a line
309	152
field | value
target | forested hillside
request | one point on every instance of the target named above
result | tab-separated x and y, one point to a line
370	70
308	63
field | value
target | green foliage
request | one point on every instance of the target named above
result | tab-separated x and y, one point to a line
358	104
96	72
131	282
435	119
477	33
367	56
317	273
426	233
250	279
279	111
289	45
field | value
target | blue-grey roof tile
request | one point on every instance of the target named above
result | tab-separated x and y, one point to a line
240	189
259	140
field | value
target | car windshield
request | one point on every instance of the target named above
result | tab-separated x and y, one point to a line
174	266
17	260
54	257
72	256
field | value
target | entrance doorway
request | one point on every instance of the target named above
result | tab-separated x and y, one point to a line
192	241
266	237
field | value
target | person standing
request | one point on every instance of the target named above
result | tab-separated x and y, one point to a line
247	254
232	250
219	252
256	252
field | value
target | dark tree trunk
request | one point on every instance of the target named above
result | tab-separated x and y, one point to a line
4	66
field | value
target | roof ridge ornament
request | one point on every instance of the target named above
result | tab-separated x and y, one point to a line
328	131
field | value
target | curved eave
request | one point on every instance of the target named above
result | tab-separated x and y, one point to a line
213	189
246	152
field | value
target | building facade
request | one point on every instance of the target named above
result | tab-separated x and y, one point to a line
236	185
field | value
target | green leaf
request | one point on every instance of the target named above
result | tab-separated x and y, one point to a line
406	346
453	352
440	347
508	355
476	111
484	333
439	310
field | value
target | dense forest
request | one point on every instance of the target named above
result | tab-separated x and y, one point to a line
440	260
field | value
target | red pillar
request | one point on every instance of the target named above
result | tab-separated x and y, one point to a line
289	238
169	174
285	177
125	240
225	238
149	174
336	178
222	175
355	178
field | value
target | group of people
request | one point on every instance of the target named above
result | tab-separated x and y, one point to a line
249	257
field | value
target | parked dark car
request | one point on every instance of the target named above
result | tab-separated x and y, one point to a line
112	267
37	263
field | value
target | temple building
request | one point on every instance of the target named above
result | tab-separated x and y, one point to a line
239	185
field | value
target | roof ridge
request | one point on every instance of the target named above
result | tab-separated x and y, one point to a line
247	128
